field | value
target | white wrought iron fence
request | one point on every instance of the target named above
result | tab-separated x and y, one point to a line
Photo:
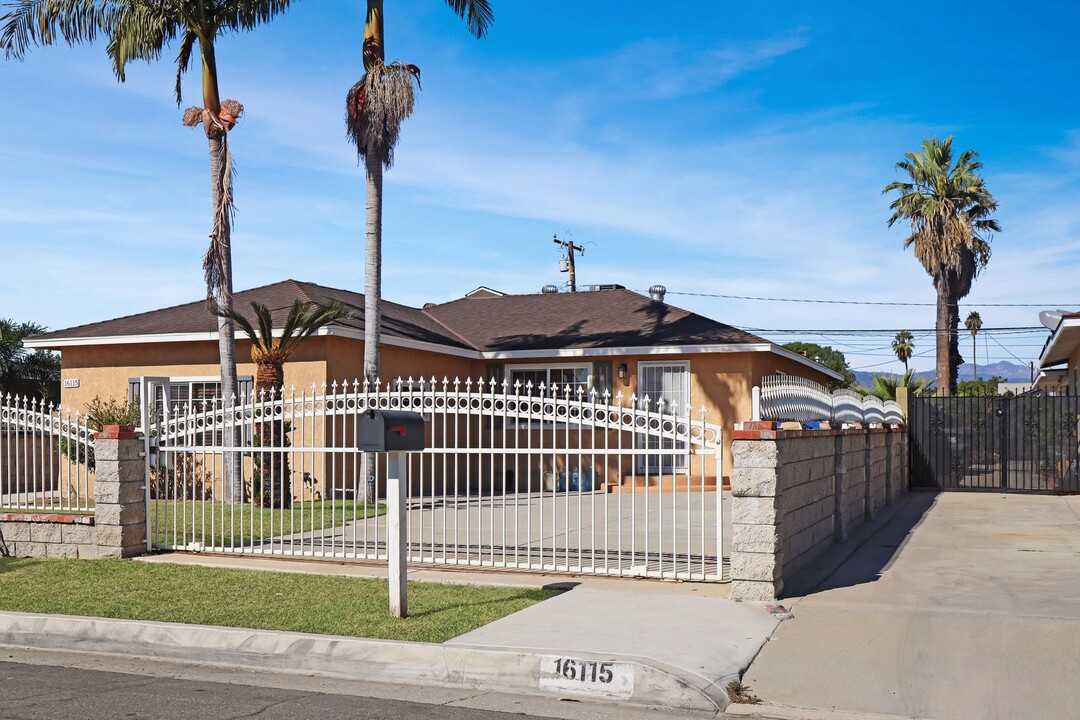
522	477
784	397
46	457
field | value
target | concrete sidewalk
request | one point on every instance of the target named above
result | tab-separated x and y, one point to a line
966	605
673	645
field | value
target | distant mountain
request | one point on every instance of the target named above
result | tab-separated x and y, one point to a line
1010	372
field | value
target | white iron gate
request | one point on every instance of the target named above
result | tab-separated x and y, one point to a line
46	457
524	477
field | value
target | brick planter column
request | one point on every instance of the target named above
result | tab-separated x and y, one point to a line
119	492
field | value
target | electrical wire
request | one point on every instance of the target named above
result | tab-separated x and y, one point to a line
863	302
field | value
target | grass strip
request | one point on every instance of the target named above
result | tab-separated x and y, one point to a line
177	523
262	600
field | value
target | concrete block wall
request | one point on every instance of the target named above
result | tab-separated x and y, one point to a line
117	527
796	492
47	535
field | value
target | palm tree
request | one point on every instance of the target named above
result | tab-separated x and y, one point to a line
949	208
141	30
885	386
376	106
973	323
903	345
23	371
270	353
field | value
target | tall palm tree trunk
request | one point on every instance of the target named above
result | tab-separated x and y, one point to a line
943	341
223	300
954	342
373	269
372	297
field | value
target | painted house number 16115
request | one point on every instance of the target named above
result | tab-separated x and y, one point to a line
606	678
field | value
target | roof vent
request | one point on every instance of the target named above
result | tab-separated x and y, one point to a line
657	292
549	289
607	286
430	305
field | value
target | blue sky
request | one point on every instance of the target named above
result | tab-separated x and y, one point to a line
718	148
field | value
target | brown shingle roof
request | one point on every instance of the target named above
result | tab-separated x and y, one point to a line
605	318
598	319
195	317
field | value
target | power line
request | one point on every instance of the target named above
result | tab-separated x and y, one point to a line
863	302
871	331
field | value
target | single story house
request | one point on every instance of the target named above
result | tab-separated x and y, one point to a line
610	339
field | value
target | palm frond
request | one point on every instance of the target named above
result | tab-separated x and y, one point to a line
477	14
45	22
376	107
242	322
245	14
141	32
183	62
314	318
266	324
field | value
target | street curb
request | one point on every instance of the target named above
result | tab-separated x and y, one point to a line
786	712
497	670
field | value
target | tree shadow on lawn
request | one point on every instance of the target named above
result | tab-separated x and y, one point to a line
11	564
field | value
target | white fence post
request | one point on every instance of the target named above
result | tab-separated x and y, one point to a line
396	535
755	401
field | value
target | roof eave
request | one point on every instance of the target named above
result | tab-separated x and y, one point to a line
1061	343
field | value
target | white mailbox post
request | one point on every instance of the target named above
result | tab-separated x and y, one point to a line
396	433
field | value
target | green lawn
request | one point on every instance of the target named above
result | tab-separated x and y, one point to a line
219	524
251	598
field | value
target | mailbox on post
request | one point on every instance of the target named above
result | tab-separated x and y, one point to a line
394	432
391	431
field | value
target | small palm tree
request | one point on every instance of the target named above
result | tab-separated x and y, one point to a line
904	346
885	386
973	323
949	208
270	352
142	30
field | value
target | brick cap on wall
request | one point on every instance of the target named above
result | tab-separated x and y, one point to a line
117	432
38	517
754	433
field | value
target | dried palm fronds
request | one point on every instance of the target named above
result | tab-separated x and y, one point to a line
377	105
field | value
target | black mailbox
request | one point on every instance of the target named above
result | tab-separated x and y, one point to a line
391	431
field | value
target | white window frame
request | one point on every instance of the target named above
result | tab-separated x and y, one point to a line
189	380
681	463
513	424
549	367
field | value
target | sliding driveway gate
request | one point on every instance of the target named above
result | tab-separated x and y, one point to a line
533	478
1026	443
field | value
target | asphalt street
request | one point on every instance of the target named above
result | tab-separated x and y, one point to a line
39	685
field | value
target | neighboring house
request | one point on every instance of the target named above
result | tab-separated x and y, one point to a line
612	340
1059	363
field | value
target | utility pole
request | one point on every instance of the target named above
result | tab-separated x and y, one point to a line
571	248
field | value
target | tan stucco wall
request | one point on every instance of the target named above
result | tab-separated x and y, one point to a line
104	370
345	361
720	383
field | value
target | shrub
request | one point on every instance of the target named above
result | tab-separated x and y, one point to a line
99	413
185	479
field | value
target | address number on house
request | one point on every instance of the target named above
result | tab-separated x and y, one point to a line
600	678
71	382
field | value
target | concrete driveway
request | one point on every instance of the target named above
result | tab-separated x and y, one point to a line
965	605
